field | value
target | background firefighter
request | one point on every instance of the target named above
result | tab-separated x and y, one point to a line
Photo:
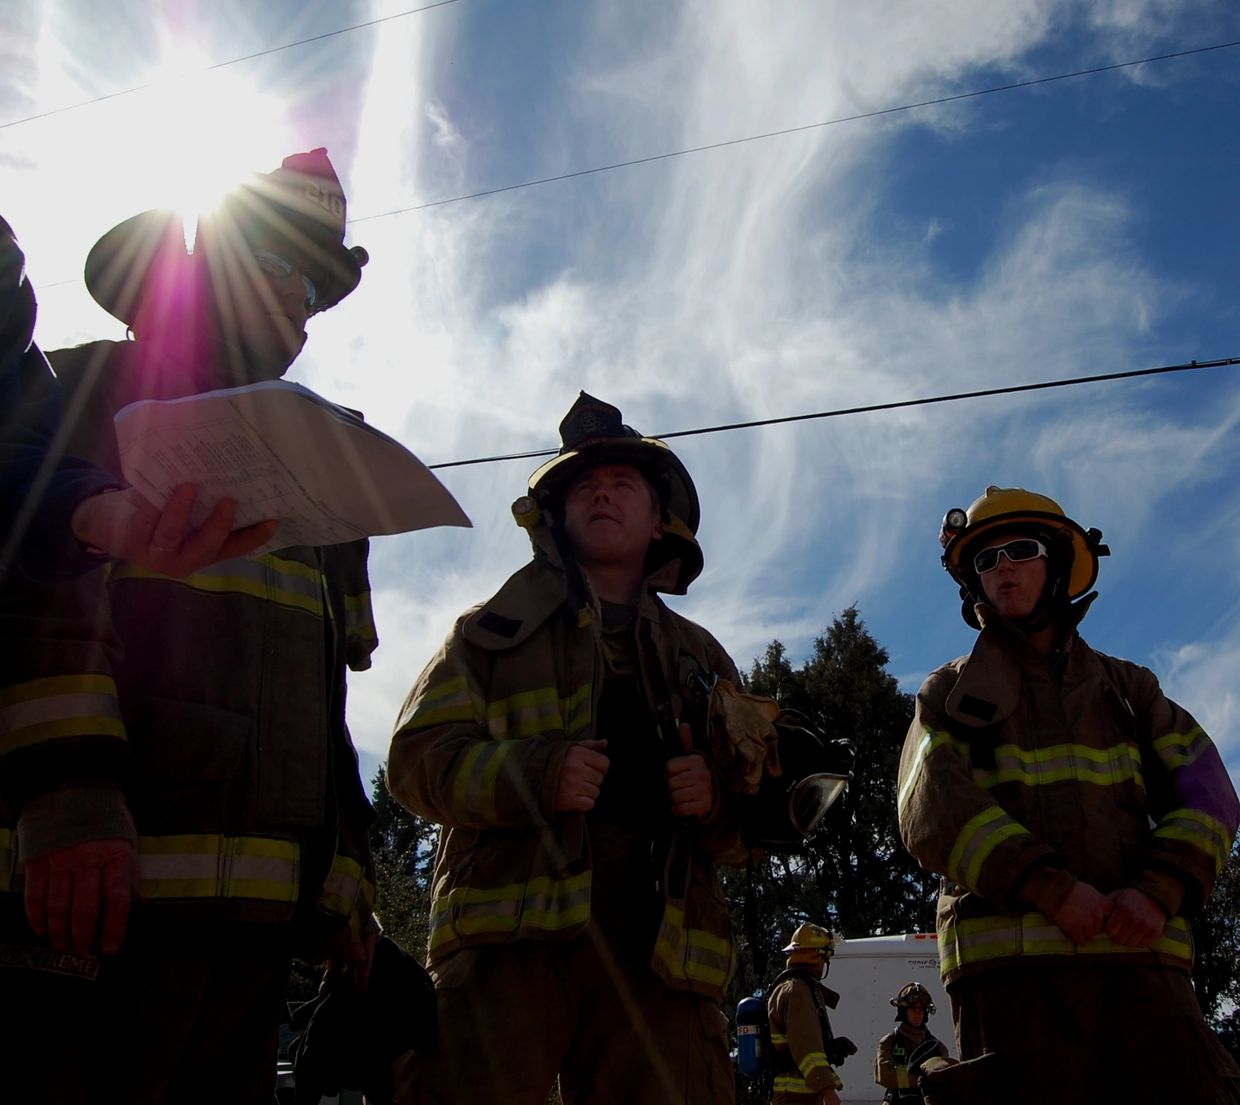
578	928
805	1052
1078	816
202	810
900	1054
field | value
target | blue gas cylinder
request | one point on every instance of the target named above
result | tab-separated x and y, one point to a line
752	1036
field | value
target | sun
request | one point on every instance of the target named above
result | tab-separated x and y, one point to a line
213	129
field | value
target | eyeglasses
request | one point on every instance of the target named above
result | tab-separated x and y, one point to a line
1023	548
272	264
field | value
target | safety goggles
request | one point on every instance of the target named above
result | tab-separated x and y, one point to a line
1023	548
272	264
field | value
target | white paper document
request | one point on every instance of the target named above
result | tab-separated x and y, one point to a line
281	451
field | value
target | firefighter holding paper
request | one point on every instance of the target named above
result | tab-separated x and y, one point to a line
188	812
1078	817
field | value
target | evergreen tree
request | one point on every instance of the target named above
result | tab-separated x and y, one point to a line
1216	970
856	876
404	851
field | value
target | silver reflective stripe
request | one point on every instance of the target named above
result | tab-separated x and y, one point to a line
210	865
58	707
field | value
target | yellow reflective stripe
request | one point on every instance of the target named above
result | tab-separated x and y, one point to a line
359	617
904	1080
692	954
790	1083
1177	750
778	1038
449	701
1203	832
930	740
980	836
544	903
56	707
208	865
285	582
525	714
1031	934
576	710
1061	762
473	790
342	887
8	860
812	1061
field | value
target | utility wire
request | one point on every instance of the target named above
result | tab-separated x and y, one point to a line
230	61
1191	366
732	141
797	130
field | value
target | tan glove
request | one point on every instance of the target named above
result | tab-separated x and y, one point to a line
741	736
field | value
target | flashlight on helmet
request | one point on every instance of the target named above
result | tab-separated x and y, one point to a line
953	522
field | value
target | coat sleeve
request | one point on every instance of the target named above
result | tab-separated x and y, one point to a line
886	1072
952	826
1192	801
446	763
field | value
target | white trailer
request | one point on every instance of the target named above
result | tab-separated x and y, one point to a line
867	973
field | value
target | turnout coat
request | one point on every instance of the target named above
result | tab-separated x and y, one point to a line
1022	773
479	748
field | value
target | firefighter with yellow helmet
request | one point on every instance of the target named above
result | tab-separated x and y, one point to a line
1078	817
897	1063
805	1052
578	929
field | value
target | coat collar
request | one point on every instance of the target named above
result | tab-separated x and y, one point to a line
988	689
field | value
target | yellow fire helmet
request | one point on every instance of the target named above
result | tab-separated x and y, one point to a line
1000	508
813	938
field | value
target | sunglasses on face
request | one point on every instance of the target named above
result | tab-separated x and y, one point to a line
1023	548
272	264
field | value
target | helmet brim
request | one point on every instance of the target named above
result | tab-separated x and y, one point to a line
122	262
648	454
958	555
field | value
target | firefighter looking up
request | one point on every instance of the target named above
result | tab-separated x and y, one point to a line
1078	817
907	1047
577	925
805	1052
191	807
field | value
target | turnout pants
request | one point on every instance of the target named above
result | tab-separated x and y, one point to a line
1080	1033
185	1021
514	1017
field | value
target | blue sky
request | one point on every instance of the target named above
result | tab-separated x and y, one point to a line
1063	230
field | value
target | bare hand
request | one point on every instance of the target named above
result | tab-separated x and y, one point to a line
690	781
79	897
124	524
1136	920
355	959
1083	912
581	776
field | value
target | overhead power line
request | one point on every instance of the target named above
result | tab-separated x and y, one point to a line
1045	385
230	61
731	141
798	129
